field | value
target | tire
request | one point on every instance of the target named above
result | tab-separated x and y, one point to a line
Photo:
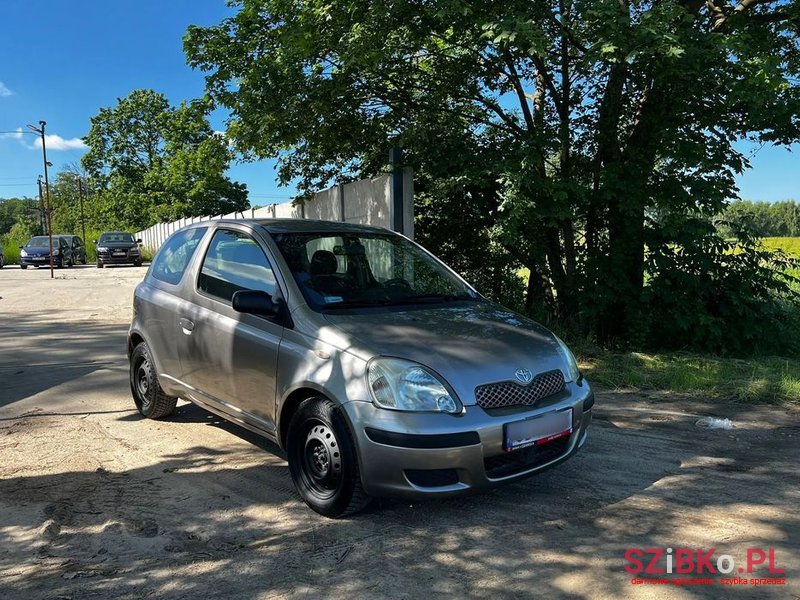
99	265
323	460
137	263
150	399
23	266
2	262
70	263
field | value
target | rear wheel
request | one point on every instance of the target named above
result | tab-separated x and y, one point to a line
148	396
2	261
323	460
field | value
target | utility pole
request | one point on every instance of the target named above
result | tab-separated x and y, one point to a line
80	197
40	131
41	205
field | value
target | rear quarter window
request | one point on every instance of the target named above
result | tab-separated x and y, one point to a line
174	256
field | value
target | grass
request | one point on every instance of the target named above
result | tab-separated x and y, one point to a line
762	380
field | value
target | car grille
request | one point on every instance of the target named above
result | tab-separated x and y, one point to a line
510	393
511	463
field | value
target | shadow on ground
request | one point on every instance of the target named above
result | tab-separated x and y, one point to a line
217	521
39	353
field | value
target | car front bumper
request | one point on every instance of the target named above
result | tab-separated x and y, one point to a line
110	259
44	261
415	455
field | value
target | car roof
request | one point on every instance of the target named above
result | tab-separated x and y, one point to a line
116	233
297	225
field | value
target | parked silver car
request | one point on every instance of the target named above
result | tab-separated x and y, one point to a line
376	367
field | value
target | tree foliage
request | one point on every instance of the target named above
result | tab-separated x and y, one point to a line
764	219
569	137
153	162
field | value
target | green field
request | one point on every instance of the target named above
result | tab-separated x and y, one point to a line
790	245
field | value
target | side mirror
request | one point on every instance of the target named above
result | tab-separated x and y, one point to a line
22	247
255	302
138	241
94	241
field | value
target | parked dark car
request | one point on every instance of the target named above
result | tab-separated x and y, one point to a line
36	252
78	248
118	248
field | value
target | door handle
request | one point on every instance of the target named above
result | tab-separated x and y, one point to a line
187	326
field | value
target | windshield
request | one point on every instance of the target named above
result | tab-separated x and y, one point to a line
41	241
349	270
116	237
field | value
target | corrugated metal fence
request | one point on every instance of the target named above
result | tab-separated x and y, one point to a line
367	202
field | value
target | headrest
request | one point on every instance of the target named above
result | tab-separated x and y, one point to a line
323	262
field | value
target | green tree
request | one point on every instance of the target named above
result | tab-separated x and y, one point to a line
14	209
583	122
154	162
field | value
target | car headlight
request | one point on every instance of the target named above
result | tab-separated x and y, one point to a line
23	254
102	249
56	252
134	250
399	384
572	364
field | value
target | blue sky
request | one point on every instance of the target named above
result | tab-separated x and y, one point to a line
64	59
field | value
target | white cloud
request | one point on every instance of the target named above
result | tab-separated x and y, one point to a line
14	135
4	91
56	142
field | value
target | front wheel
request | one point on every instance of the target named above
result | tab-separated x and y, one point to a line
148	396
23	266
99	265
323	460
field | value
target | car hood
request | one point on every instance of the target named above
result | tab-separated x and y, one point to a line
468	344
37	251
117	245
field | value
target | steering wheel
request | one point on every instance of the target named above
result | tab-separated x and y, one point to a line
397	281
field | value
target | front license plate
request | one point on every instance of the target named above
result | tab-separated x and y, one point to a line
538	430
38	258
119	254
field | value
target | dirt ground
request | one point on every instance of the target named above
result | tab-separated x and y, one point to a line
96	502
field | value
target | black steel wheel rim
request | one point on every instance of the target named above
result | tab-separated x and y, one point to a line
321	460
141	380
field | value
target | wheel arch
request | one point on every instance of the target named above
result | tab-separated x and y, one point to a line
290	404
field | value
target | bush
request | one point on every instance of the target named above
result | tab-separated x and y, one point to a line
709	294
11	253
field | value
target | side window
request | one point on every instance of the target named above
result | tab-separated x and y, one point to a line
234	262
173	257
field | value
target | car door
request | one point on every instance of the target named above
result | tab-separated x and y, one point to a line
66	251
231	358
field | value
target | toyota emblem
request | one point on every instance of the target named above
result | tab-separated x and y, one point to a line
524	375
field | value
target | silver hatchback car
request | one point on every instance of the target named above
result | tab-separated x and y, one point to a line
374	366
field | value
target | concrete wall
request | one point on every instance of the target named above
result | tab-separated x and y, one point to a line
365	202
